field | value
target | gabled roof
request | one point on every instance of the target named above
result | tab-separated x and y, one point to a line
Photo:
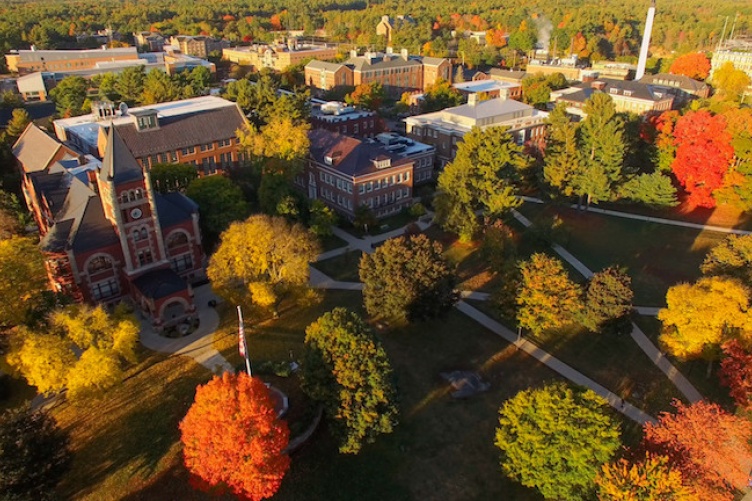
380	61
628	88
511	74
35	149
324	65
432	61
352	156
677	81
173	208
119	165
182	131
158	284
68	217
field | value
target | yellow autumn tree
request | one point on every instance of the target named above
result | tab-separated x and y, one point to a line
650	480
23	280
262	260
83	349
280	139
547	298
704	315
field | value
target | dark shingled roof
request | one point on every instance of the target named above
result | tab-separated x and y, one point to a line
355	157
160	283
53	186
94	230
174	208
677	81
511	74
638	90
362	63
119	164
182	131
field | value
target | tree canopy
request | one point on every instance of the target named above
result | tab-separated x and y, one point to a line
407	278
346	368
556	439
693	65
263	260
172	177
69	96
83	350
232	438
34	455
652	479
481	177
24	280
220	202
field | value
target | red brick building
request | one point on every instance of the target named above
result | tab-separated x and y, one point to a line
107	236
380	173
347	120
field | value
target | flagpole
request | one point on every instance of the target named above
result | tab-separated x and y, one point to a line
243	343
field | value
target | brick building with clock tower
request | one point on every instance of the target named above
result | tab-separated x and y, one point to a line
106	234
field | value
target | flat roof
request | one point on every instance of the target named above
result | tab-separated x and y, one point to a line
483	85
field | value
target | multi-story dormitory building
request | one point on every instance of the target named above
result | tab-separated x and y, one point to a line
380	172
199	131
106	235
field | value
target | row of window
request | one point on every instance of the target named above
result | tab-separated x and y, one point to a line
387	198
383	182
341	184
131	195
344	202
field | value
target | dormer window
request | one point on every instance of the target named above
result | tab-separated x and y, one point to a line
146	120
382	162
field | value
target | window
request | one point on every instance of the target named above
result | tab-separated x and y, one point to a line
136	235
188	151
206	147
139	194
182	263
355	128
145	257
124	197
224	142
98	264
369	186
361	188
104	290
144	233
177	239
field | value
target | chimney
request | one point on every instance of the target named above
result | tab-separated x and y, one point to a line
598	85
645	42
404	54
353	53
390	50
472	99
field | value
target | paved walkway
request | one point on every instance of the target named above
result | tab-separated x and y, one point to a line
640	338
650	219
197	345
554	363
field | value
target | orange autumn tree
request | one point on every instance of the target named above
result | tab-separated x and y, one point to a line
232	439
693	65
703	155
707	444
736	373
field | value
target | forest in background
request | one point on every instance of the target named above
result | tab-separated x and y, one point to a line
595	29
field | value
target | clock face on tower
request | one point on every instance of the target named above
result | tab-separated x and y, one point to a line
136	213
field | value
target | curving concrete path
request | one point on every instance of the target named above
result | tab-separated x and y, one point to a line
197	345
676	377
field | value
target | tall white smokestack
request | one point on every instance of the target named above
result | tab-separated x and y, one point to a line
645	42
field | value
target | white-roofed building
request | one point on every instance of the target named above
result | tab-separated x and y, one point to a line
445	129
490	89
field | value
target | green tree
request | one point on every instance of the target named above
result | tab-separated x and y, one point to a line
263	256
24	280
440	95
34	455
482	176
555	439
602	147
69	96
108	85
346	368
407	278
172	177
83	350
322	218
608	300
199	79
536	91
547	297
562	159
12	217
159	87
130	84
20	119
242	92
732	257
366	95
654	190
220	202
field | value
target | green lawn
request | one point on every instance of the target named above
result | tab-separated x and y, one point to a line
343	267
331	242
656	256
615	361
127	444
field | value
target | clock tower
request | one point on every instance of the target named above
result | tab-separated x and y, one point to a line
129	204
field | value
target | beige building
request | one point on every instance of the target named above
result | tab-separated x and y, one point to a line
628	96
278	56
397	73
24	62
739	53
445	129
197	46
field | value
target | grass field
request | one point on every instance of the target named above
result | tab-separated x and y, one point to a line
127	444
655	256
343	267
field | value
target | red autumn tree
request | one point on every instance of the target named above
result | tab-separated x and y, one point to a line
703	155
693	65
233	440
736	373
708	445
